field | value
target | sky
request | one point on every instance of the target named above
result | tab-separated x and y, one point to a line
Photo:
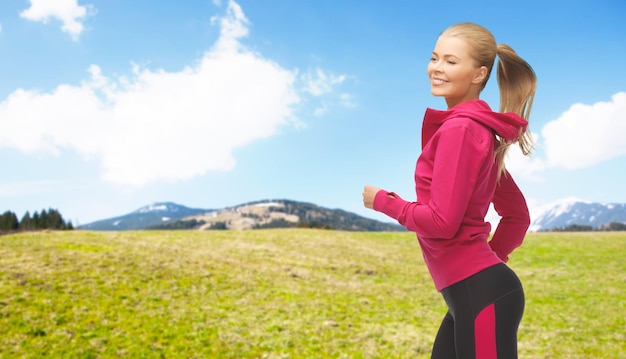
109	105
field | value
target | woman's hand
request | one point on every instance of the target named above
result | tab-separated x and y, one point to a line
369	193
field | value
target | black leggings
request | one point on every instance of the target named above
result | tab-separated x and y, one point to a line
484	312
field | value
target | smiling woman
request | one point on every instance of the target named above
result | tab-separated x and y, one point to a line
458	175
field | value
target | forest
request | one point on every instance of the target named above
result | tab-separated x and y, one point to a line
45	219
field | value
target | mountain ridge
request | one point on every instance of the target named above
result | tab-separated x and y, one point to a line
572	211
250	215
144	217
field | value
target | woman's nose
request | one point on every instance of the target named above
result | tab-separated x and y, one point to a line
438	66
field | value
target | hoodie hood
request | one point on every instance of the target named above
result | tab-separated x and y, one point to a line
507	125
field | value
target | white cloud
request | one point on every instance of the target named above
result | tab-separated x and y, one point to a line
157	125
232	28
321	109
347	100
319	82
587	134
67	11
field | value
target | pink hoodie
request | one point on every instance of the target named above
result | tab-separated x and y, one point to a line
455	181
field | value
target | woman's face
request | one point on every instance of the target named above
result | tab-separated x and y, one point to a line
453	73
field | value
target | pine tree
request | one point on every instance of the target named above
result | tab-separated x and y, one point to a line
26	224
36	221
55	220
44	219
8	221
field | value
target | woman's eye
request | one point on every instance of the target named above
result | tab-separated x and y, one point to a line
452	62
432	59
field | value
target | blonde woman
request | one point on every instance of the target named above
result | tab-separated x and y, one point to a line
459	173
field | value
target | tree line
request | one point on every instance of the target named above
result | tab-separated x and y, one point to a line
46	219
609	227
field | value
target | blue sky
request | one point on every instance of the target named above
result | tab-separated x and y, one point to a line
107	106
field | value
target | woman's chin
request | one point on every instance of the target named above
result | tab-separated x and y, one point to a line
437	92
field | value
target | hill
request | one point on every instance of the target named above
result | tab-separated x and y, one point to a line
280	213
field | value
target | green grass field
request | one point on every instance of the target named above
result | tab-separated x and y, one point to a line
285	294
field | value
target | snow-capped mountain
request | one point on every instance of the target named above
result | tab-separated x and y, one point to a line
576	212
146	217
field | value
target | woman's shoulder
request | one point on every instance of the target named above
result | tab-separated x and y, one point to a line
464	129
462	122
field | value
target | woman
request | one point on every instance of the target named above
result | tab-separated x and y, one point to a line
459	173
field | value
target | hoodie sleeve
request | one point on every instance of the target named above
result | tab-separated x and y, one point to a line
457	161
510	204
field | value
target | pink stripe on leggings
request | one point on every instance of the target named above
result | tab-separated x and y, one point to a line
485	332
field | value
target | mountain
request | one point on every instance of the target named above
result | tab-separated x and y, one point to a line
145	217
253	215
575	212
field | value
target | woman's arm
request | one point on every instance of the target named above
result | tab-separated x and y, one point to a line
458	156
510	204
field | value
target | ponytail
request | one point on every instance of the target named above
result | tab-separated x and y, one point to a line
517	82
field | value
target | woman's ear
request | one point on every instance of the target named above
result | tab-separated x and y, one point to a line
480	75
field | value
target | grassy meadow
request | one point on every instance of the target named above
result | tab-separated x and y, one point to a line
289	293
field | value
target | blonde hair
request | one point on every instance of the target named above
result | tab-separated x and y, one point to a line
516	79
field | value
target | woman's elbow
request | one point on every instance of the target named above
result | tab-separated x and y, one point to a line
444	230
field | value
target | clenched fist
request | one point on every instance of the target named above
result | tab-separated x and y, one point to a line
369	193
